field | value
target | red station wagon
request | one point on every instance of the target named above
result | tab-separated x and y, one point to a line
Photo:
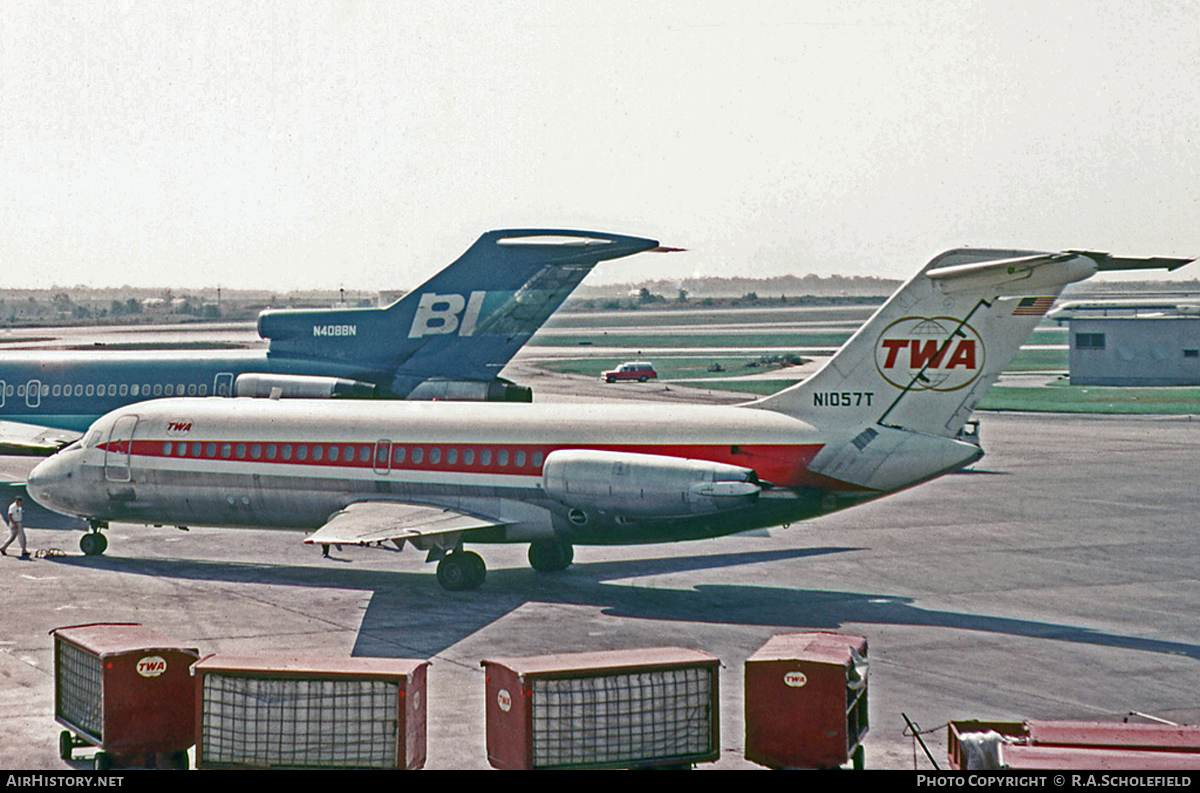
630	370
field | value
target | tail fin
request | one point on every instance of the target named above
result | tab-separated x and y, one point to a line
467	321
925	359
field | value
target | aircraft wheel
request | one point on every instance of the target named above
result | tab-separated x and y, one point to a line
478	568
461	570
93	543
550	556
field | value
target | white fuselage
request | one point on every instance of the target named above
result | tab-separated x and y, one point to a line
293	463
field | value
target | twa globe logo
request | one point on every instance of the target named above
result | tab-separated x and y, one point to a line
947	353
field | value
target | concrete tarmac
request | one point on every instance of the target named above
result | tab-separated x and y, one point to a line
1056	580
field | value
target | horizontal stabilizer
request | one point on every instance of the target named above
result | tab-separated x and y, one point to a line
1106	261
367	522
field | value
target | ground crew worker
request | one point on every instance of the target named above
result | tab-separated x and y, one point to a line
16	527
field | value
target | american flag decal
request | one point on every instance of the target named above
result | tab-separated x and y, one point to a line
1033	306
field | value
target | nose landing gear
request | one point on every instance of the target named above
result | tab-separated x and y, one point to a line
93	543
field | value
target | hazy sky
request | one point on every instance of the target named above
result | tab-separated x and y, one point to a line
300	144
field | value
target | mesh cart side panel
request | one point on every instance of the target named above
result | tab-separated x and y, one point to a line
80	689
622	718
340	723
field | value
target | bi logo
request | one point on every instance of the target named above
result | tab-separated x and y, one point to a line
946	353
444	314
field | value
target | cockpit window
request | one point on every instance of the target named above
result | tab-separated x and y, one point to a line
92	439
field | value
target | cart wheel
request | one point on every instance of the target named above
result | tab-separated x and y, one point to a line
102	761
66	744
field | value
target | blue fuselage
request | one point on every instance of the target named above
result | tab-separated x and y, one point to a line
70	390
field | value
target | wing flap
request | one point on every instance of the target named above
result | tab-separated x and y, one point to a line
366	522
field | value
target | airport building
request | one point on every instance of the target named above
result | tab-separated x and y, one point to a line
1135	351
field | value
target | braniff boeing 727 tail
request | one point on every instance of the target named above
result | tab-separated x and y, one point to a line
447	339
881	416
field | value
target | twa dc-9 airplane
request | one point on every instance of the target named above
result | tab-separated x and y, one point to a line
881	416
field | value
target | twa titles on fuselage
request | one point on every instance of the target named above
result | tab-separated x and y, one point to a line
447	339
882	415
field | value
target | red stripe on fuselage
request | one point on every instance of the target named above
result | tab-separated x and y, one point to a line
784	465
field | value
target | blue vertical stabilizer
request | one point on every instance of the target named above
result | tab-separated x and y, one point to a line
467	321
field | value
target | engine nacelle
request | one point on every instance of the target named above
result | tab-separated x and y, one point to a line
290	386
498	390
646	485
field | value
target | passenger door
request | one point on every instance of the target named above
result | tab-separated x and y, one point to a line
119	449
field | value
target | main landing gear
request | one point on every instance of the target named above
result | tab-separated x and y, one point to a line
461	570
550	556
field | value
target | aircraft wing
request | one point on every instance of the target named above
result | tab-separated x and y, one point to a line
33	440
366	522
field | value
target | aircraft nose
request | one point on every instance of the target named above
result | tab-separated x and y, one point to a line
48	480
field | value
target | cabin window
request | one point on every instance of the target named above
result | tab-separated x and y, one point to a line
241	451
302	453
271	451
485	457
179	389
318	452
285	451
211	450
537	459
167	447
418	455
502	458
519	460
451	456
203	390
468	456
55	391
112	389
158	389
398	454
333	454
89	391
124	389
435	456
169	390
181	450
192	389
226	450
146	389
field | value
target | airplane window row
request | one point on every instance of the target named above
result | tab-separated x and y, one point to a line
113	389
346	453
